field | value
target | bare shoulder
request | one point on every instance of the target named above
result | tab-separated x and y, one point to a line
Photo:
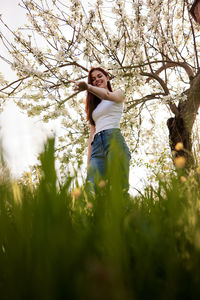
121	94
118	95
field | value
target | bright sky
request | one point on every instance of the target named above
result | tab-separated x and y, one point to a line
22	137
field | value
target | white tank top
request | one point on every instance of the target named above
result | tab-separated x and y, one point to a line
107	115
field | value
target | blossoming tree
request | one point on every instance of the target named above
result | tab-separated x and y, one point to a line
151	49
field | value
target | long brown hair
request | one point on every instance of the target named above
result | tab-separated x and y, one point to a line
91	100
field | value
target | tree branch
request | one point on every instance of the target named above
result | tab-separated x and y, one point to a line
156	77
16	81
184	65
61	66
144	99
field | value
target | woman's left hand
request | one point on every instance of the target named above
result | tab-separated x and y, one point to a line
80	86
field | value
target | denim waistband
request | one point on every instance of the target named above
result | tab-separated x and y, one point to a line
111	130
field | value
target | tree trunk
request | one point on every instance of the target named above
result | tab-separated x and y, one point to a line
180	127
179	133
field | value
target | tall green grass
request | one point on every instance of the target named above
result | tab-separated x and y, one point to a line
61	244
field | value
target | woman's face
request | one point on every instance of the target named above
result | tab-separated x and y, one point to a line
99	79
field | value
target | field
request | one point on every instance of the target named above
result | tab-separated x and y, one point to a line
60	243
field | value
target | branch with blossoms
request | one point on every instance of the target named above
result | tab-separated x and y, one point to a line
133	103
172	64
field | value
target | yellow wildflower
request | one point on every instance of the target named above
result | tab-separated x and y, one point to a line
89	205
76	193
180	162
102	183
179	146
183	179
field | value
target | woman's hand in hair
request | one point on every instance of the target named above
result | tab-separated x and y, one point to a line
80	86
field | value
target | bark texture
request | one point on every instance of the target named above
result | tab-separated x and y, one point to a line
180	126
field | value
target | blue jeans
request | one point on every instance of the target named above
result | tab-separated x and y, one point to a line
109	151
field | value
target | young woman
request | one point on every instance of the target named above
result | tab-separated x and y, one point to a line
104	109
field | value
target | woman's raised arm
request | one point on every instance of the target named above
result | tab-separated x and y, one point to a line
102	93
117	96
